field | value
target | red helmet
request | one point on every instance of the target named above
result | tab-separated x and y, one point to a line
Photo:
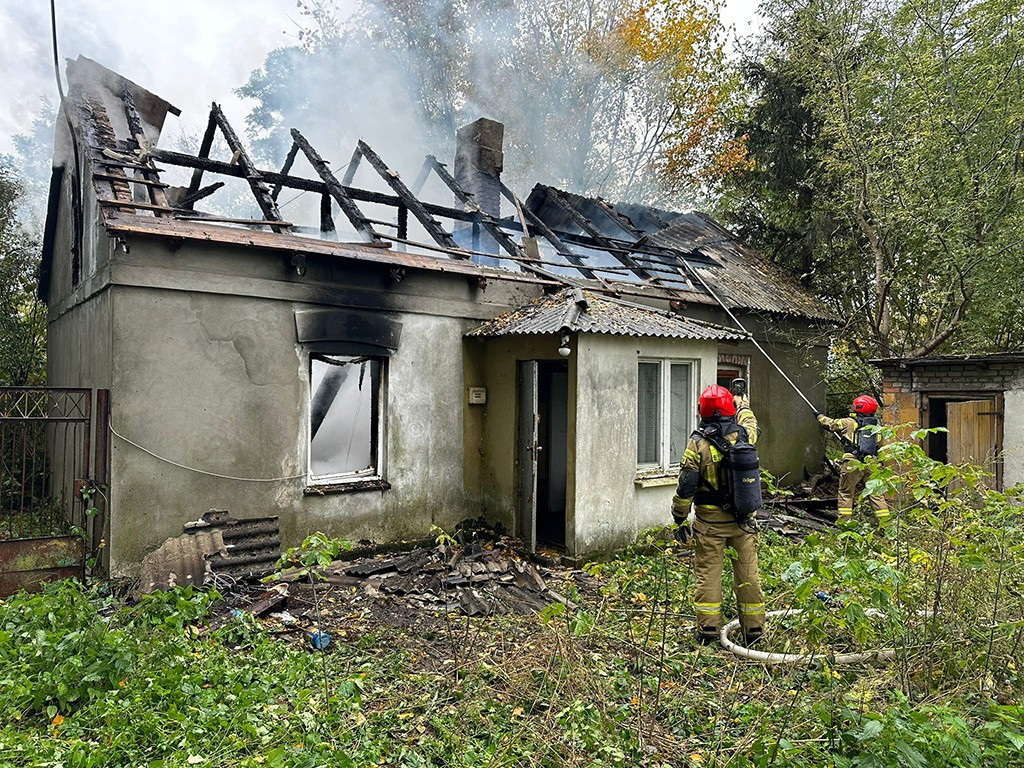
865	404
716	401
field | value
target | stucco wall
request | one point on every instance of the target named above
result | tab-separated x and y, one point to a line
1013	437
791	445
492	429
217	383
610	506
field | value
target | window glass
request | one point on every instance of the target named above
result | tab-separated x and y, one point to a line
648	413
681	406
344	416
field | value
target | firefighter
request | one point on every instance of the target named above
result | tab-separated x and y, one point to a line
859	443
713	528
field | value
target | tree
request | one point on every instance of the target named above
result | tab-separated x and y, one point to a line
22	316
906	196
623	99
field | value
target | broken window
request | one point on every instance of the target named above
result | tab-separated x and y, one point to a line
665	407
345	418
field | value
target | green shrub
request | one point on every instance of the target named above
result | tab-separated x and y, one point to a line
57	652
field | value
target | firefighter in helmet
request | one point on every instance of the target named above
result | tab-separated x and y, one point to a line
859	443
713	528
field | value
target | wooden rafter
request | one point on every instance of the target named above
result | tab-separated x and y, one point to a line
259	187
204	151
484	219
406	196
138	142
335	188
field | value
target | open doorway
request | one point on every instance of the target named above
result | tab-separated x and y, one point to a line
543	451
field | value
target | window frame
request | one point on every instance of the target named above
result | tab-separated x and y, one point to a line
372	478
666	463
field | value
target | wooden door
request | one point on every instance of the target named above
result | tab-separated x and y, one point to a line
973	435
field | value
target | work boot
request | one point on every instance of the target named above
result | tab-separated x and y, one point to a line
706	635
752	636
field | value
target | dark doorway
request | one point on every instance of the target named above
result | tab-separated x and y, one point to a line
543	451
552	443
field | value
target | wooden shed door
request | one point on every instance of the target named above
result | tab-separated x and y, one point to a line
973	436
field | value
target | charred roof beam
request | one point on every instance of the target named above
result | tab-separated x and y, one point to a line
204	151
486	221
588	226
140	144
409	200
537	223
259	187
335	188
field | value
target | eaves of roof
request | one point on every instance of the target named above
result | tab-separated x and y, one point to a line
574	310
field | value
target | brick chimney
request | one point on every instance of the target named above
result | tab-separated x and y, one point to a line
478	163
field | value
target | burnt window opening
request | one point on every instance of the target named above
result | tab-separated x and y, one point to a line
345	418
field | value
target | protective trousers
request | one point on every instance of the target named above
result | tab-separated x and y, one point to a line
851	481
711	540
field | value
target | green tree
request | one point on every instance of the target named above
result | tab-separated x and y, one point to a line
22	315
897	193
624	99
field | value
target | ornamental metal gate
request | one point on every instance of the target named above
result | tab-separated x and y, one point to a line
53	474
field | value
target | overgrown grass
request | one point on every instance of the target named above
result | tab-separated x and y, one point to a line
617	681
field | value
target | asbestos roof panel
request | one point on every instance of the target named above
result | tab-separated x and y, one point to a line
743	279
574	310
977	360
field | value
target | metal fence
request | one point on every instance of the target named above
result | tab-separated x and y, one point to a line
53	446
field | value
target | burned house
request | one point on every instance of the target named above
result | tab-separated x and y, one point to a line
405	361
976	399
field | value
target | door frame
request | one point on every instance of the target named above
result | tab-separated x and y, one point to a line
996	397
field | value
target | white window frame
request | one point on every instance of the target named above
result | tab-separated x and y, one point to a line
371	474
667	463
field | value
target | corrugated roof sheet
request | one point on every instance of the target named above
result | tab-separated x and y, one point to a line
742	278
574	310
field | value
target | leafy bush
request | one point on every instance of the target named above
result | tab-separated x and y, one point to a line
57	652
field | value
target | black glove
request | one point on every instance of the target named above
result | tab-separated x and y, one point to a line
683	533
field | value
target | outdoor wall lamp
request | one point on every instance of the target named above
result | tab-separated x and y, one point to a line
564	349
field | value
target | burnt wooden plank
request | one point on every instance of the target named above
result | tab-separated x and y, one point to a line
191	198
259	188
204	151
326	219
139	142
485	220
407	197
134	224
130	180
294	182
336	189
288	161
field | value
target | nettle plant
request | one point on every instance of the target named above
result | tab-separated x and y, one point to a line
942	577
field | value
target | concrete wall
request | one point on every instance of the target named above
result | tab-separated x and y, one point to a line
611	504
204	370
217	383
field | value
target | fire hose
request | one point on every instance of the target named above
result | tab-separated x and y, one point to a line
880	654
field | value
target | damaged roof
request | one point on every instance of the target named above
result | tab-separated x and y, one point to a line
574	310
557	239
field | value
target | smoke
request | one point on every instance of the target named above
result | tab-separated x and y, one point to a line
190	52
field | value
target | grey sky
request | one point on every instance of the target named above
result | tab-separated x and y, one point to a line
190	52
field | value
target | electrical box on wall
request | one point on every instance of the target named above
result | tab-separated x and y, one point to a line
477	395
